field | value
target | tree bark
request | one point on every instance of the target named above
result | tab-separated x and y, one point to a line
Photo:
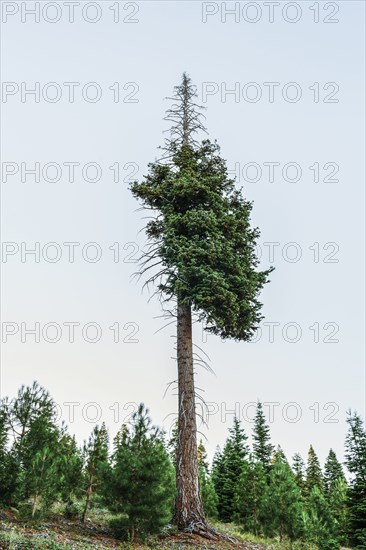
88	499
34	506
189	514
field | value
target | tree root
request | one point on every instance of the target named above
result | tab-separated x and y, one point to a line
206	531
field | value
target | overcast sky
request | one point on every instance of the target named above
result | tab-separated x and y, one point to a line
292	131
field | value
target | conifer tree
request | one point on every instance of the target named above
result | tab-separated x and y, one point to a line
229	468
338	504
141	482
218	475
8	465
70	469
203	256
314	476
31	403
207	489
298	468
36	446
249	492
172	444
281	506
332	472
41	461
320	525
279	456
96	463
262	447
356	464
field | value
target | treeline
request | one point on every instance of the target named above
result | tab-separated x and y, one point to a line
260	490
256	488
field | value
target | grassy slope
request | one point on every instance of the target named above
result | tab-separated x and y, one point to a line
57	532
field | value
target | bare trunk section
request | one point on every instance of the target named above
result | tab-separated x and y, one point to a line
88	499
189	514
34	505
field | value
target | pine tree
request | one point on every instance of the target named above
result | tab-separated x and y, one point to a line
172	444
338	505
39	463
356	464
202	241
8	465
279	456
32	418
320	525
141	483
281	506
217	475
31	403
207	489
332	472
248	496
70	469
262	447
96	463
298	468
314	476
39	455
229	468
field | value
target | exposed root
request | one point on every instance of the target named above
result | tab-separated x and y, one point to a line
206	531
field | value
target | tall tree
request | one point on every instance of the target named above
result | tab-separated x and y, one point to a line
262	447
314	476
96	463
202	241
356	464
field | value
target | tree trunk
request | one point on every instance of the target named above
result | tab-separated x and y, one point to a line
189	514
88	498
34	506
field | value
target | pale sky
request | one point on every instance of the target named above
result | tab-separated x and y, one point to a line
292	130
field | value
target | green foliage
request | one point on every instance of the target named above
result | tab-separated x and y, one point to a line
227	469
141	482
70	468
298	468
281	506
95	463
207	488
8	463
41	466
208	493
36	447
201	237
249	491
356	463
314	476
320	524
262	447
337	501
333	471
172	443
